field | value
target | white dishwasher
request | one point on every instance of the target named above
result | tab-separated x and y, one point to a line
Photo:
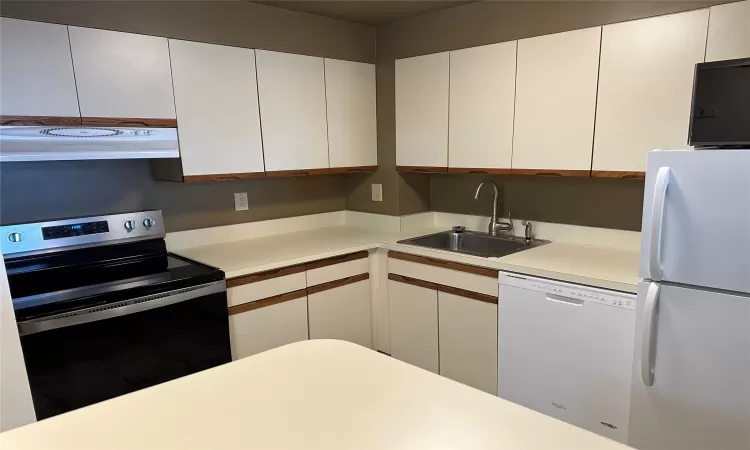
566	350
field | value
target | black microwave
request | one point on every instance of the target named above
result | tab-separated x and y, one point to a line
720	112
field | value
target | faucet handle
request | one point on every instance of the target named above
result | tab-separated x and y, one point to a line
528	231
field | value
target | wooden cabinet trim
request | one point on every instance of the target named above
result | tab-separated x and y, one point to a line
128	122
296	173
39	121
266	275
421	169
443	288
618	174
337	283
222	177
552	172
467	294
492	273
352	169
412	281
336	260
479	171
267	302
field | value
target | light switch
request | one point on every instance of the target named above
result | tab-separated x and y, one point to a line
377	192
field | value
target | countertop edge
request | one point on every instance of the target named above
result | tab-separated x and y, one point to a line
497	264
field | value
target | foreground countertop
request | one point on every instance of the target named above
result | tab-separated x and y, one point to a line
320	394
601	267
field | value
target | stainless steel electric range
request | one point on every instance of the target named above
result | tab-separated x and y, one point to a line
103	309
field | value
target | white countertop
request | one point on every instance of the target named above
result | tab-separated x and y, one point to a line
320	394
601	267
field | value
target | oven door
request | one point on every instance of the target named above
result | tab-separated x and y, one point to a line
83	357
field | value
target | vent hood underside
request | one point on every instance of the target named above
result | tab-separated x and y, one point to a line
55	143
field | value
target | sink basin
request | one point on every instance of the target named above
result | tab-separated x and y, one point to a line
472	243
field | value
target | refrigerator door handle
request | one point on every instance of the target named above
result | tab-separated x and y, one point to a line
657	218
648	339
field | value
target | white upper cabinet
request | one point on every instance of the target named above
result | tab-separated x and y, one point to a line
729	32
216	97
422	110
350	100
122	74
556	100
482	87
645	88
291	91
36	74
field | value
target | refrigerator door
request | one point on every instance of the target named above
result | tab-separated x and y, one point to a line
696	219
700	396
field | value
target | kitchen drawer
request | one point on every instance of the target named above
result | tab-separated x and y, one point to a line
250	288
336	268
447	273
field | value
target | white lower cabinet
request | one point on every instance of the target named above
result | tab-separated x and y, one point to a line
414	324
341	313
265	327
468	340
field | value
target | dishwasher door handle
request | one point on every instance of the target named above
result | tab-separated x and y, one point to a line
567	300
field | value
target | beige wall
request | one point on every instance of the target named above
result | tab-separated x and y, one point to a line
605	203
37	191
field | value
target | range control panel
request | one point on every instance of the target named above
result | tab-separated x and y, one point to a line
572	291
75	229
41	237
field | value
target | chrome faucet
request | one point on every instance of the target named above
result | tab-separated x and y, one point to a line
528	231
495	224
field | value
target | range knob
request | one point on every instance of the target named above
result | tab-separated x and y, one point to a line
129	225
15	237
149	222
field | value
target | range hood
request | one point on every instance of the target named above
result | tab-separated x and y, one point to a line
57	143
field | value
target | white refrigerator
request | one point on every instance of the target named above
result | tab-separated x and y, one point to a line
691	372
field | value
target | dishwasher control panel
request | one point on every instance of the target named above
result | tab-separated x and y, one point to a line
569	290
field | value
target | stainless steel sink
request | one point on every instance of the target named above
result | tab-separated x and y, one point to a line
472	243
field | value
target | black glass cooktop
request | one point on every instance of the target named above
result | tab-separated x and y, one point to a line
50	284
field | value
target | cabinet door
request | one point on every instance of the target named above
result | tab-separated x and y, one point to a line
556	101
482	88
122	75
414	324
645	88
350	101
36	74
422	111
468	340
729	32
341	313
216	98
291	91
257	330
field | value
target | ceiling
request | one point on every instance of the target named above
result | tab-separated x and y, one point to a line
368	12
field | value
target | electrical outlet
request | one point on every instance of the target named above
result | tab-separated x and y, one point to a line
377	192
240	201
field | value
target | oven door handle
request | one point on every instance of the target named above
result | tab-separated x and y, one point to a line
118	309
